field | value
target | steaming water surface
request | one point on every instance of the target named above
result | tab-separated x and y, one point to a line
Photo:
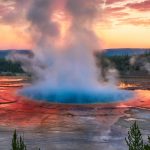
80	96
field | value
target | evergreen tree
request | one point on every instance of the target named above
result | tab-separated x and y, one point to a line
14	141
18	143
147	146
134	140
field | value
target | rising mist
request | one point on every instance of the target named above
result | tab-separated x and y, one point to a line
64	67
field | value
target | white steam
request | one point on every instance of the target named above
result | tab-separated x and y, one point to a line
142	62
67	73
147	66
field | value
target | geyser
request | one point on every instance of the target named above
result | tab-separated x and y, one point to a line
63	66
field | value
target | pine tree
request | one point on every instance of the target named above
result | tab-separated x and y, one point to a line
135	141
18	143
147	146
14	141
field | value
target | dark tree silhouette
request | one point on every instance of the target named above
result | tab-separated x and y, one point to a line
134	140
18	143
147	146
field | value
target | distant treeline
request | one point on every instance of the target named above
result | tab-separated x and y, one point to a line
125	64
8	67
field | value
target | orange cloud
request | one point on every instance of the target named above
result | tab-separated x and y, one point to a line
113	1
124	23
110	12
136	21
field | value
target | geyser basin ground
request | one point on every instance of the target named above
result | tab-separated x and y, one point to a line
74	127
104	94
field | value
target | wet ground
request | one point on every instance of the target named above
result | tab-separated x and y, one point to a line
72	127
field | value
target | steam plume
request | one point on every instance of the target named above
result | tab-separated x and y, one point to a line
142	62
66	73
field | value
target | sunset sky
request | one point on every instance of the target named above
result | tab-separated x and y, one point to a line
122	24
